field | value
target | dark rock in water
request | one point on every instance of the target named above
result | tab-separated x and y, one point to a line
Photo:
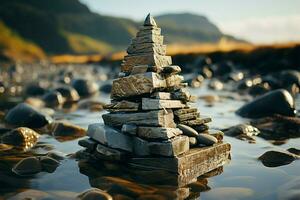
278	127
53	98
93	194
48	164
21	137
275	102
294	151
276	158
85	87
259	89
206	139
63	128
222	68
242	129
69	93
106	88
35	90
289	77
28	166
25	115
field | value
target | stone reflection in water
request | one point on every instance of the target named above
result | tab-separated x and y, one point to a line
120	179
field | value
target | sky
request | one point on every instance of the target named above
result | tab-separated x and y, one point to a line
258	21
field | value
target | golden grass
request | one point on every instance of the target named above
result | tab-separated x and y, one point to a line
16	48
83	44
175	49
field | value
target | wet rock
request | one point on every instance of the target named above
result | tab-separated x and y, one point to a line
206	139
294	151
289	77
276	158
69	93
94	194
85	87
21	137
189	131
275	102
106	88
28	166
222	68
215	84
53	98
236	76
259	89
25	115
35	90
242	129
278	127
48	164
64	128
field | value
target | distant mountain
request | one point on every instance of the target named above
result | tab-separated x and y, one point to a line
48	27
188	27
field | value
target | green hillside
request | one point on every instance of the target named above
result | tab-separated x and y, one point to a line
69	27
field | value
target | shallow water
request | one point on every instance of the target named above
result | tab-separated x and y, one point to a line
244	177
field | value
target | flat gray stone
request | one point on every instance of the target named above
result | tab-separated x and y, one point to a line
140	147
129	128
196	122
188	116
171	148
160	118
161	95
106	153
110	137
145	59
144	48
125	106
155	104
137	84
88	143
185	111
157	132
139	69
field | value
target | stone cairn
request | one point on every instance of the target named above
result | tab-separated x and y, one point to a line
149	114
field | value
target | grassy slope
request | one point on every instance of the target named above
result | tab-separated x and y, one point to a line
15	47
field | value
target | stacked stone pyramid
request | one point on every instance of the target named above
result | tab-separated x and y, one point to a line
149	114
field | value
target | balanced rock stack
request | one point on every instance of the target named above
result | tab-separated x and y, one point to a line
149	114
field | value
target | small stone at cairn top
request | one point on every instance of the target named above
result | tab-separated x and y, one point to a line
149	114
149	21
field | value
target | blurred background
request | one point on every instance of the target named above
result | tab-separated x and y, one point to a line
58	59
32	30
